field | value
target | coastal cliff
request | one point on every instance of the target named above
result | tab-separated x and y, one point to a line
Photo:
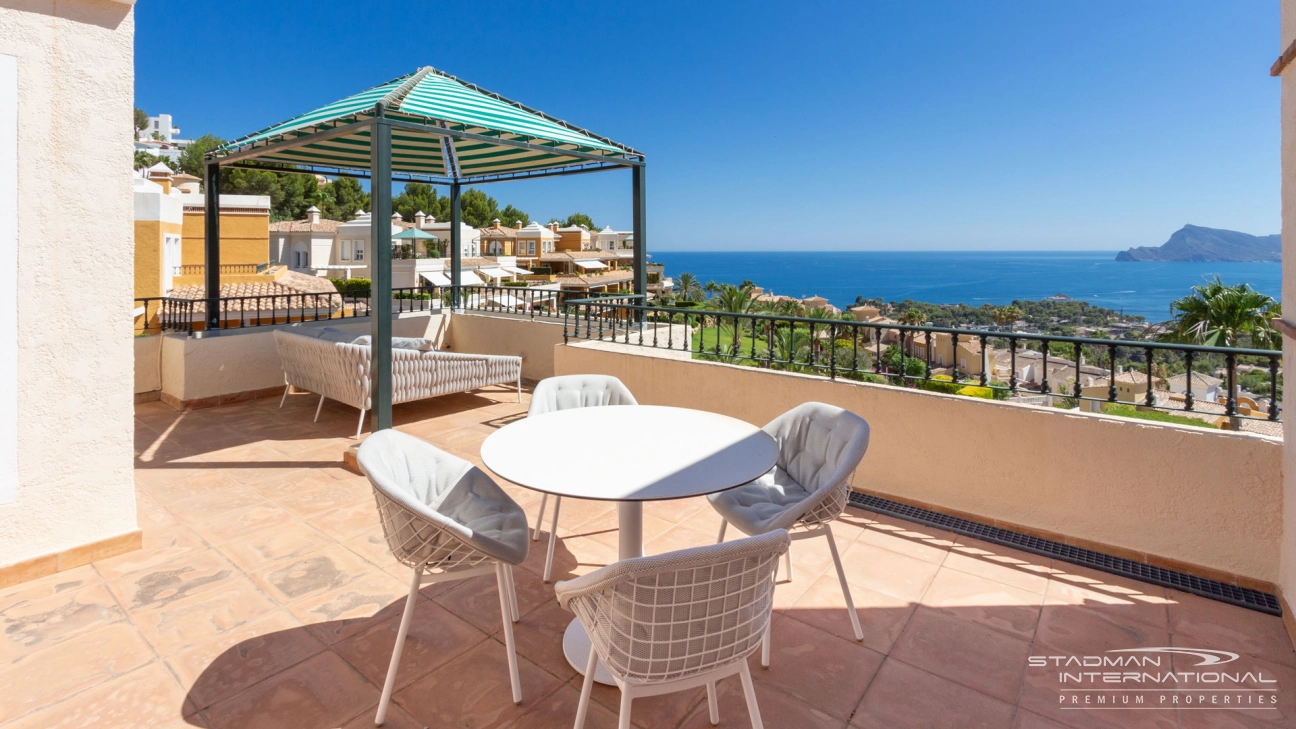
1206	245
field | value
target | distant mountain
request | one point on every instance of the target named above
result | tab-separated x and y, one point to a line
1195	243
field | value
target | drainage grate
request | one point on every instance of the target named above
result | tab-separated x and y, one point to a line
1232	594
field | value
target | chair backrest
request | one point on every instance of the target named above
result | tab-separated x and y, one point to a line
820	446
337	370
413	481
661	618
578	391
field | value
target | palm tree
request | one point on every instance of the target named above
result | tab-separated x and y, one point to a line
790	346
1219	315
710	287
913	318
734	300
687	287
1004	316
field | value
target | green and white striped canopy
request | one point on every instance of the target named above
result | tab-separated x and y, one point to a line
429	107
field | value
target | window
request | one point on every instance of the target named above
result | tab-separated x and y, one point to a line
345	248
531	248
359	250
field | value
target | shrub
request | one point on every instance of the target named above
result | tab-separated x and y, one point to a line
411	295
350	285
940	383
542	270
516	284
975	391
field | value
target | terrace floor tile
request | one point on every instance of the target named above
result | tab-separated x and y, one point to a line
265	595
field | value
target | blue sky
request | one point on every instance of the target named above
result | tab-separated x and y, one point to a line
1014	124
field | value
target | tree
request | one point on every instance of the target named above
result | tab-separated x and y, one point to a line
141	119
1004	316
688	288
511	216
340	199
417	197
1218	315
477	209
578	219
144	160
710	288
734	300
913	318
290	194
191	158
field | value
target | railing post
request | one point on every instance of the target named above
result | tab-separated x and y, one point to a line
211	244
1044	383
985	361
832	356
1077	389
1149	399
1012	365
1273	388
1111	383
1188	393
1230	405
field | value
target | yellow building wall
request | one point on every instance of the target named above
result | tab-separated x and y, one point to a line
244	239
571	241
148	255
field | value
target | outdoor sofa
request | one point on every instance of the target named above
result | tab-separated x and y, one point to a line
335	364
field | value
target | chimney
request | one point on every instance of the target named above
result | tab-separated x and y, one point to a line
396	217
313	215
419	218
495	224
554	226
517	223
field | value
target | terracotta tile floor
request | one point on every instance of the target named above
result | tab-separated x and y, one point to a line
265	596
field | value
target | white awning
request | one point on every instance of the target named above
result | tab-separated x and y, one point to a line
493	272
437	278
590	264
516	271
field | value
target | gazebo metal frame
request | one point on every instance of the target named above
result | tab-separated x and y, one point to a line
456	113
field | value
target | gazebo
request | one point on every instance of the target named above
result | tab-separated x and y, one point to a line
427	126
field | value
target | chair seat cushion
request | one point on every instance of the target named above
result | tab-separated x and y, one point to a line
497	525
773	501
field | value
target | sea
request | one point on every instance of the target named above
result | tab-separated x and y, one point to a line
969	277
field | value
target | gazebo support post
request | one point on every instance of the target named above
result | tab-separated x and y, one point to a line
380	293
456	252
640	236
211	244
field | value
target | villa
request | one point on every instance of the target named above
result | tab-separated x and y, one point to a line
195	535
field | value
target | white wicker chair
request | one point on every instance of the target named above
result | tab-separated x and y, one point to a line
677	620
448	520
565	393
338	369
820	446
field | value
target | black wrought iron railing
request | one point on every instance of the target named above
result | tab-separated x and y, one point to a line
172	314
1003	364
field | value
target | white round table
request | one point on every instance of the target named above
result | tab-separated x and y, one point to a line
629	454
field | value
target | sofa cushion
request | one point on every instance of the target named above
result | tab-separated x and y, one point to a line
422	345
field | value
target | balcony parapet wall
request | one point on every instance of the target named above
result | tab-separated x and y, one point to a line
1202	501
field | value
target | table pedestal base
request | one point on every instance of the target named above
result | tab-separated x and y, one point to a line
576	646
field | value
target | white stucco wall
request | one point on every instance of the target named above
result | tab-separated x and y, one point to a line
1287	579
74	343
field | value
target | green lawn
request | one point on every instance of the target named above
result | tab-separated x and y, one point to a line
708	338
1129	411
